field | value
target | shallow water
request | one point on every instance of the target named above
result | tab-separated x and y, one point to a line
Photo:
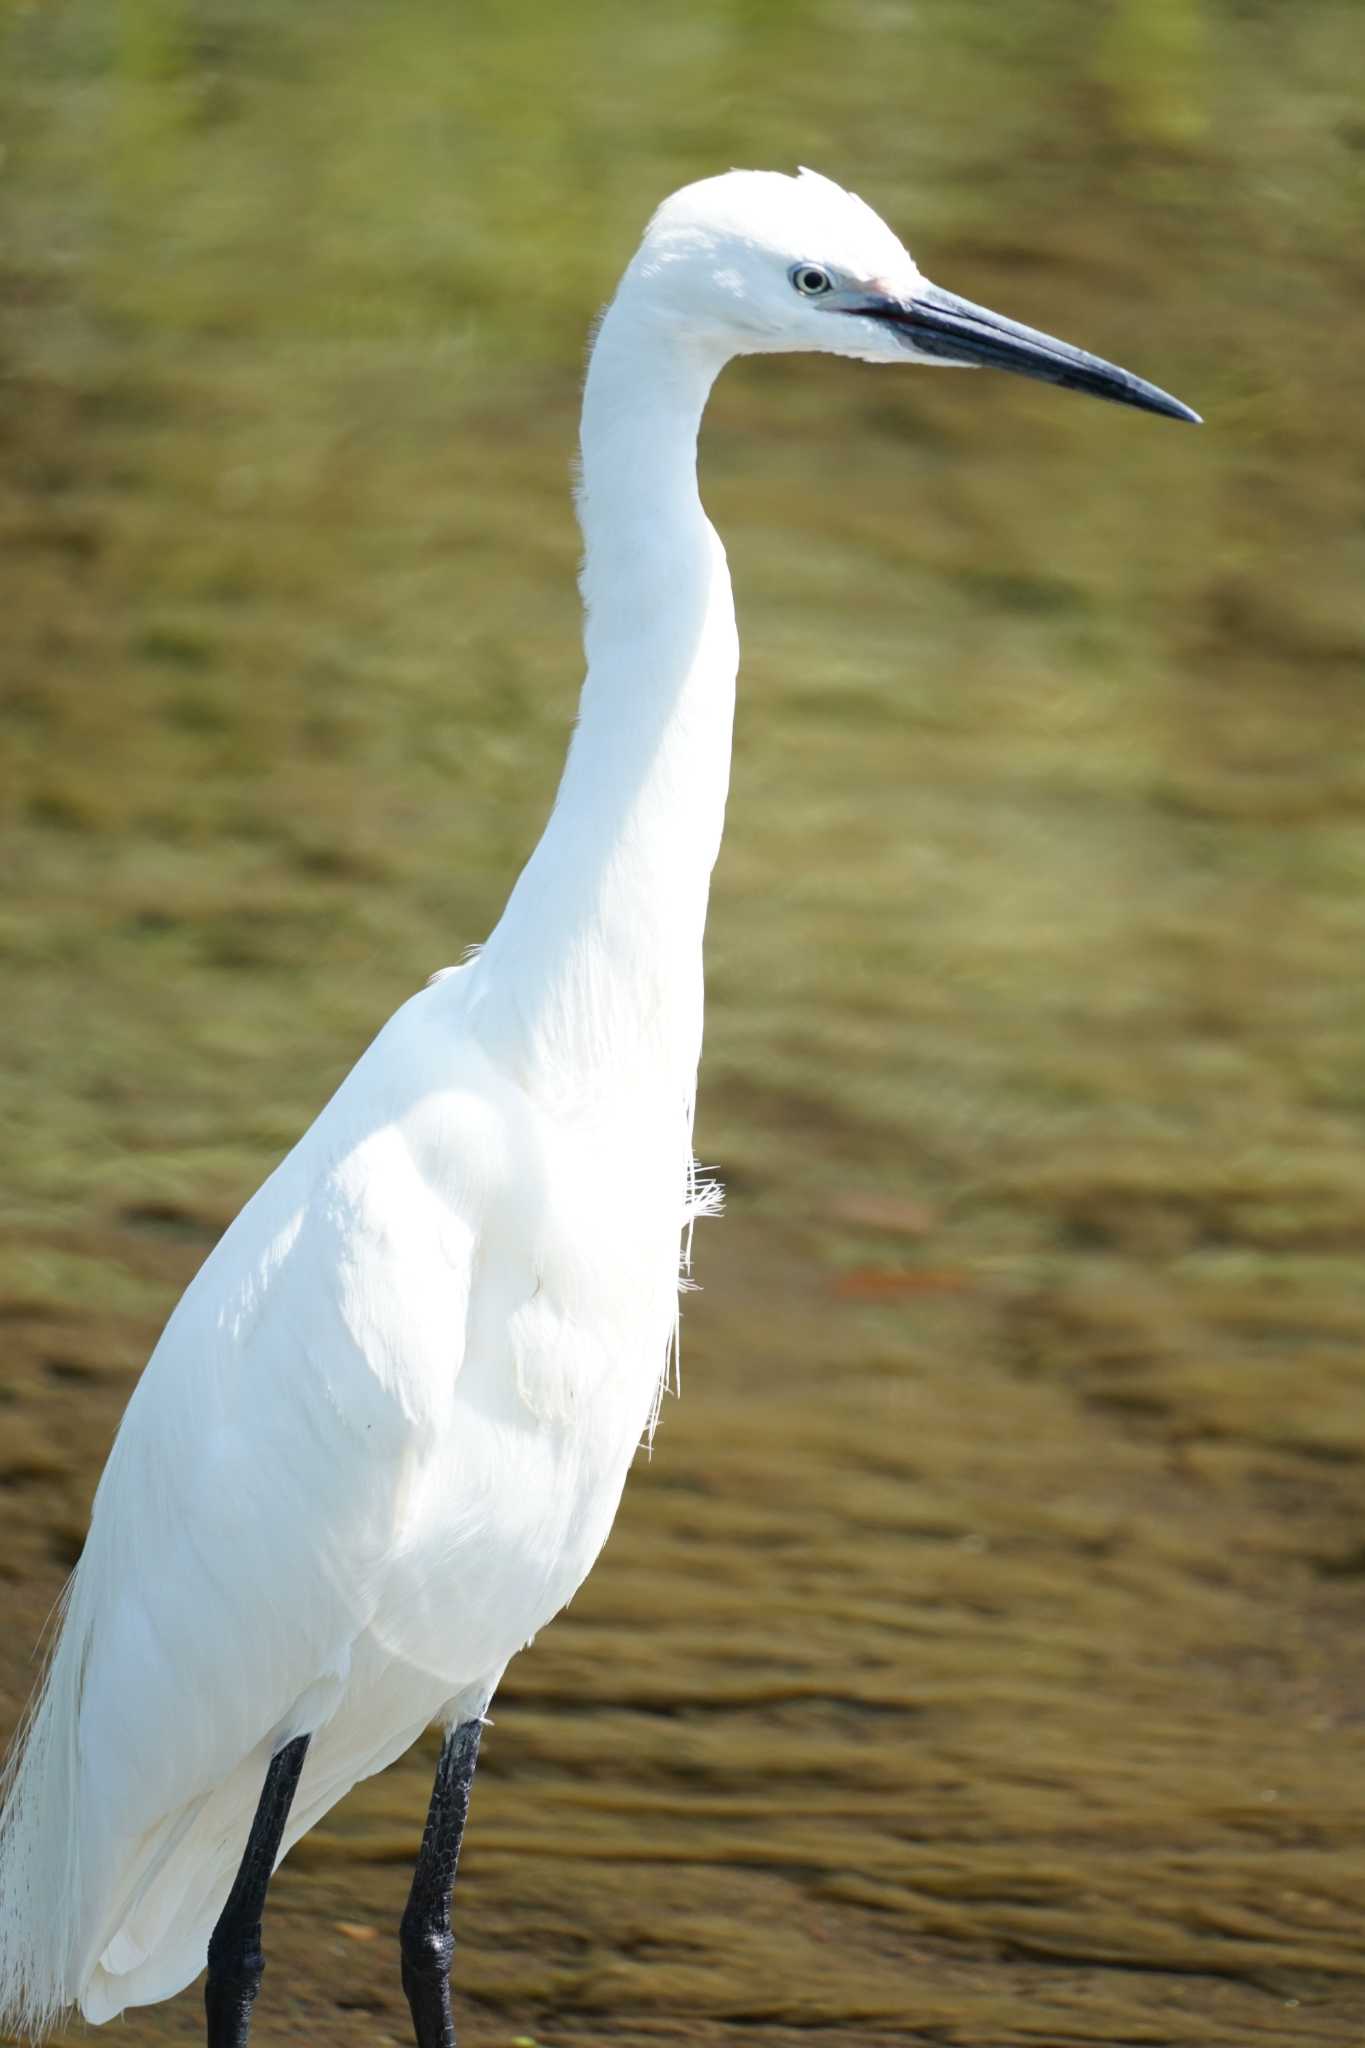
977	1659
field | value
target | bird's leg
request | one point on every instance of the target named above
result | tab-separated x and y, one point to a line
427	1943
235	1957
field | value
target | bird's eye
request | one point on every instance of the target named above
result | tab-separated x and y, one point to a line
810	280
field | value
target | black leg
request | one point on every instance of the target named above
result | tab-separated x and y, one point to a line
235	1957
427	1942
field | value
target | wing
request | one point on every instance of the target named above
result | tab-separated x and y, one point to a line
243	1524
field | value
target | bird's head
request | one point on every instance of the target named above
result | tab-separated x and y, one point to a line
754	262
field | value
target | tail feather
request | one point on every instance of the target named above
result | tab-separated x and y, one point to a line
41	1879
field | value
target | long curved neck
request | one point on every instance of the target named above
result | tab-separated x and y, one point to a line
593	973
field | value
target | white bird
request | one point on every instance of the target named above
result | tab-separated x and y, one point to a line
384	1434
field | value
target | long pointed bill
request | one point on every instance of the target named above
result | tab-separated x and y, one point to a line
938	323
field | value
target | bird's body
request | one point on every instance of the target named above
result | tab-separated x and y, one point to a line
379	1445
384	1435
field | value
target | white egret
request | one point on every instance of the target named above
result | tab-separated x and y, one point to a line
383	1437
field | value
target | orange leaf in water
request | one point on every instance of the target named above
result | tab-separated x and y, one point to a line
892	1283
357	1930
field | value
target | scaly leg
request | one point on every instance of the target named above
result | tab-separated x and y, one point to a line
427	1943
235	1956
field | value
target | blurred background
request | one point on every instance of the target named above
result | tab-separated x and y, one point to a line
980	1657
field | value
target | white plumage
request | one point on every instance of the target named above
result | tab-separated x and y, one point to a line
385	1432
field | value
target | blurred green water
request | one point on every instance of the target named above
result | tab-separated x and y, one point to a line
1037	922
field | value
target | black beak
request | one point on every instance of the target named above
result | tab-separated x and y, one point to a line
939	323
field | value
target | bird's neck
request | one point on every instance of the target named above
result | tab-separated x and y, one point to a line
592	979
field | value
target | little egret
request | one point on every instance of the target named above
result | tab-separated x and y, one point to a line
384	1435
